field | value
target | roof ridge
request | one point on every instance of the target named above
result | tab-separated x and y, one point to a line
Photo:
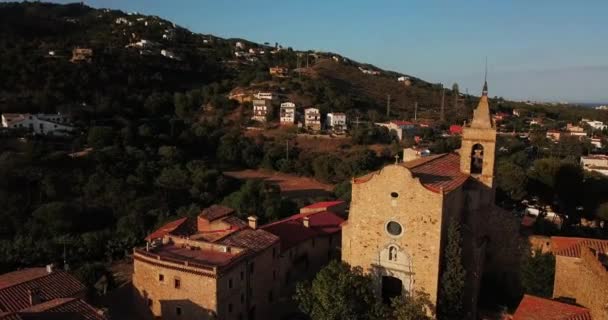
428	159
294	217
46	274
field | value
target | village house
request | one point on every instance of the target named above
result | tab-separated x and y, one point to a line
405	80
336	122
398	220
169	54
596	125
312	119
399	127
574	128
414	153
262	109
279	71
265	95
81	55
46	124
44	293
597	163
581	273
597	143
287	113
553	135
217	266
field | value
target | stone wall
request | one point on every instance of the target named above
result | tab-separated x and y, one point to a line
420	213
584	279
165	298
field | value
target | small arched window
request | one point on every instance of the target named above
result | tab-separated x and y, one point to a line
477	159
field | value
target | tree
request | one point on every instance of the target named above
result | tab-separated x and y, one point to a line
100	137
339	292
453	277
602	213
413	306
537	273
455	94
512	180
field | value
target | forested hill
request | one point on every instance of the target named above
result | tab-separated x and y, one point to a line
119	79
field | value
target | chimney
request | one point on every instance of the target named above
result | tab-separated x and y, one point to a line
306	222
34	297
253	222
49	268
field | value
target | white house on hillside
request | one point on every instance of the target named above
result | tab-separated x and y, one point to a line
312	119
261	110
596	125
49	124
288	113
265	95
336	121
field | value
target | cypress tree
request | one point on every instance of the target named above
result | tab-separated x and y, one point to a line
452	280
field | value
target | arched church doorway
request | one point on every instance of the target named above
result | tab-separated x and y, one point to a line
477	159
391	287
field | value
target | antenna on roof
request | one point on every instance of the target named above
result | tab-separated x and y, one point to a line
485	77
66	267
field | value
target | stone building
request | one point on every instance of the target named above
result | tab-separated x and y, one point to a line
398	219
581	273
217	266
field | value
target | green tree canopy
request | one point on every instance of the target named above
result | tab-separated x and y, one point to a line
537	273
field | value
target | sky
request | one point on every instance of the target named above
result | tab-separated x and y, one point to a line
545	50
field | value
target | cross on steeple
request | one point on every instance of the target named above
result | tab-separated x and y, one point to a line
396	159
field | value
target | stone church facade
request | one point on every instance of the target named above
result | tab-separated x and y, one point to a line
399	216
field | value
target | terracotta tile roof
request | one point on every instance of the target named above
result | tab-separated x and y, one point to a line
15	287
535	308
63	308
202	256
435	172
292	231
9	316
256	240
323	204
215	212
441	172
166	229
571	247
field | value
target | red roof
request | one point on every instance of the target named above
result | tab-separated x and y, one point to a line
291	231
324	204
401	122
535	308
436	173
455	129
15	287
166	229
67	308
216	212
571	246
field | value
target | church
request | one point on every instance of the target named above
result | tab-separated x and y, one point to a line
398	220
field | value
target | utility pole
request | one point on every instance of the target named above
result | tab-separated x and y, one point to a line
307	60
442	112
357	124
416	111
287	149
298	63
388	105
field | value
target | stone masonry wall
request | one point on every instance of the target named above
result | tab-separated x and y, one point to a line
416	208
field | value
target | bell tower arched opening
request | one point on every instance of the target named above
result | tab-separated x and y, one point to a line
476	159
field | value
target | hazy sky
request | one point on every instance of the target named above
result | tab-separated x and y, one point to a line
537	49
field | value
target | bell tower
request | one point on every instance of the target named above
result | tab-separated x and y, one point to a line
479	143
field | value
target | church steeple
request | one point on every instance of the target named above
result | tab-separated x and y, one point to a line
481	114
479	143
